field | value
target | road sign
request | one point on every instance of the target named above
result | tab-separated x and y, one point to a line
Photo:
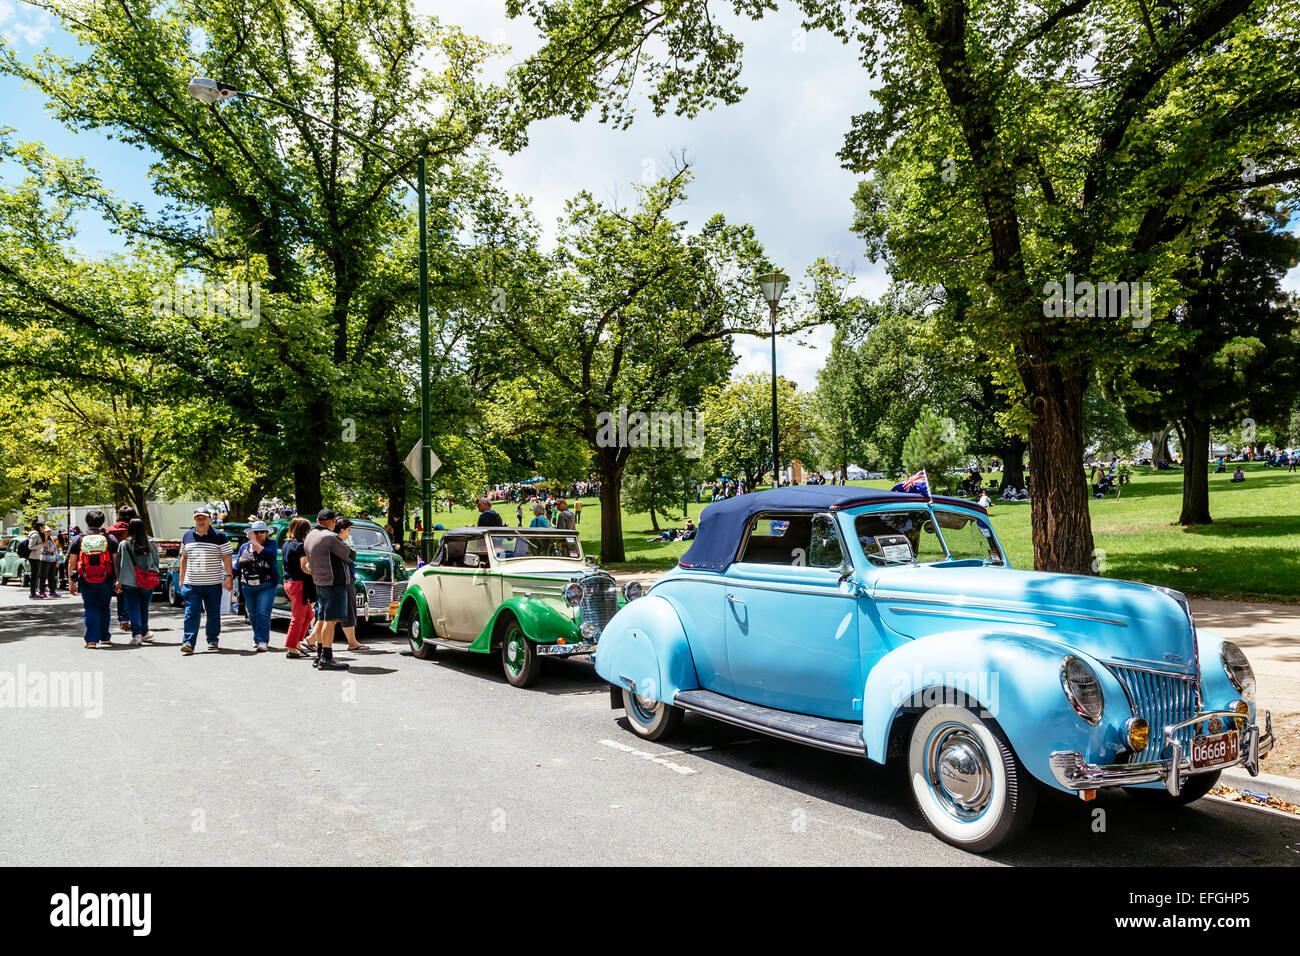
412	462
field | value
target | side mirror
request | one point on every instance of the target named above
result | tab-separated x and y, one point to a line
471	561
589	560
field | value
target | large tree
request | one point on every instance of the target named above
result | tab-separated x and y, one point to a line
1010	147
318	208
1241	360
631	314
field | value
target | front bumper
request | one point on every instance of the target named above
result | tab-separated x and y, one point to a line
1074	773
564	650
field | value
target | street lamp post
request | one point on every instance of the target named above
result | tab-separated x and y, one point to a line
211	91
773	285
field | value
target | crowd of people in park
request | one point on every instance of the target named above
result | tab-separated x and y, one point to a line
120	561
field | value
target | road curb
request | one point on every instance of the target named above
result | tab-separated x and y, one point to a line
1288	788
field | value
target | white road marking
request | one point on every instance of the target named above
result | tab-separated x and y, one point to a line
653	758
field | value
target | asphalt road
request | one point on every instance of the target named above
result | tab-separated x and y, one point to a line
240	758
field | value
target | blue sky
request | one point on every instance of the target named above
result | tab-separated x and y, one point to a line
769	160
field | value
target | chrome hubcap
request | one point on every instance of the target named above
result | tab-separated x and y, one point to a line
646	707
512	652
958	771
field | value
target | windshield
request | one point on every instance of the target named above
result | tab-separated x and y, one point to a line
369	539
509	547
899	537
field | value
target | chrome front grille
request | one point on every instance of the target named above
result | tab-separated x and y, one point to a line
1161	699
379	594
599	600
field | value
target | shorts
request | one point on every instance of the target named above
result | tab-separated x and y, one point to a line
332	602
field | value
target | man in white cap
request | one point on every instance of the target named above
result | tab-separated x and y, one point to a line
205	570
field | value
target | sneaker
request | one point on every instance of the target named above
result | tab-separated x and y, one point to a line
106	643
135	640
261	648
147	637
42	594
124	625
35	597
89	645
332	665
212	645
55	594
187	648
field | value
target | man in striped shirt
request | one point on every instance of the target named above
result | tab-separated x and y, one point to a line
205	570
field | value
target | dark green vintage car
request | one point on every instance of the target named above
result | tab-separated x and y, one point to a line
528	593
381	573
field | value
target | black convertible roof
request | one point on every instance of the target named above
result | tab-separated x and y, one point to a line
723	523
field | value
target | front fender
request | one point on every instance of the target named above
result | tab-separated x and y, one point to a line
542	623
1216	690
645	643
1015	679
414	599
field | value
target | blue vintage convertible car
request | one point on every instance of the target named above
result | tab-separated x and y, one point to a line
887	625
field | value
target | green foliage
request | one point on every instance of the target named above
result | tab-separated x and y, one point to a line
738	426
937	445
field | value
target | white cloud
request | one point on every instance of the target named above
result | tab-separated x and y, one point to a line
26	27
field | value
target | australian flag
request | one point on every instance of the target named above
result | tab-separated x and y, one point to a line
917	484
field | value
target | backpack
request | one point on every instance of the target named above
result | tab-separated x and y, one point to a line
24	549
94	562
144	577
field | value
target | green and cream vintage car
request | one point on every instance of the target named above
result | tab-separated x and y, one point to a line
528	593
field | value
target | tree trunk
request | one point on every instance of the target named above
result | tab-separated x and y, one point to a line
249	502
611	515
654	518
307	495
1013	464
1160	446
1062	525
139	501
396	481
1196	477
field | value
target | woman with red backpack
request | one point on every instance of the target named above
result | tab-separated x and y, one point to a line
137	576
90	574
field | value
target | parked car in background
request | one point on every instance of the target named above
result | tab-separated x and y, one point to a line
526	593
12	567
889	626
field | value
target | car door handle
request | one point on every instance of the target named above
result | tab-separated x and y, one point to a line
734	600
481	583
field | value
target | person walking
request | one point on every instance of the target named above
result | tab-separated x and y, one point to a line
488	518
519	514
577	512
50	561
37	538
118	529
90	574
258	580
327	554
204	572
343	528
564	518
539	516
137	576
299	588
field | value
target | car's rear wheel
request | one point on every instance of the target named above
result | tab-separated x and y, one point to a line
519	657
420	648
966	780
651	719
1195	787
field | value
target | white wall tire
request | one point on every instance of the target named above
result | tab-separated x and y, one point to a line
966	780
421	649
651	719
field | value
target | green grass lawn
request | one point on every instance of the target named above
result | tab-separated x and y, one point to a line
1250	552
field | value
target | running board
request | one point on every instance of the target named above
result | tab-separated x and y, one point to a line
841	736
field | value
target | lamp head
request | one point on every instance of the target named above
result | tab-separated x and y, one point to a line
773	285
210	91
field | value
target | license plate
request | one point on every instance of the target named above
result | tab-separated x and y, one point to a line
1212	751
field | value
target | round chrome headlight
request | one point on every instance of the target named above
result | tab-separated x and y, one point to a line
1238	669
572	594
587	630
632	590
1082	689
